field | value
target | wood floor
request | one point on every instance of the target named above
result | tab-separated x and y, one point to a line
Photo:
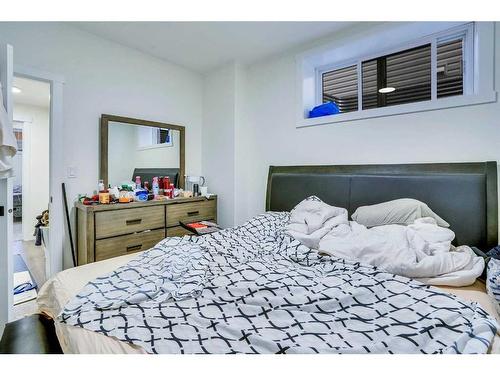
34	258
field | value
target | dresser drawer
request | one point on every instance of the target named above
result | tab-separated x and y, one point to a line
190	212
178	232
127	244
128	220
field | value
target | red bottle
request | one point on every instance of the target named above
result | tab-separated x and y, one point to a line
166	186
171	191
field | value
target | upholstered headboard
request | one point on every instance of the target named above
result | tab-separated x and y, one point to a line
464	194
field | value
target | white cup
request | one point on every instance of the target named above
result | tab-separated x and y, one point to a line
204	190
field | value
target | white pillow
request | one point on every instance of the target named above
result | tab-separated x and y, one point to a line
400	211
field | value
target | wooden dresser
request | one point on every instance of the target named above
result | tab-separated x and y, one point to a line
107	231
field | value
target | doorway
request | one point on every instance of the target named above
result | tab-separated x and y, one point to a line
31	115
56	229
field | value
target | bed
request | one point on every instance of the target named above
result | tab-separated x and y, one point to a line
464	194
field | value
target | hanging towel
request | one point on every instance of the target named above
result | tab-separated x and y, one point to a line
8	144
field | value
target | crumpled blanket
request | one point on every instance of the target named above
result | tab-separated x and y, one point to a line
262	291
493	282
312	219
174	270
422	250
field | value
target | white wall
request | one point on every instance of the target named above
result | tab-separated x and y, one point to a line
35	160
266	133
105	77
218	144
245	149
227	152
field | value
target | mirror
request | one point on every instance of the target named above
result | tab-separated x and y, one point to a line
133	147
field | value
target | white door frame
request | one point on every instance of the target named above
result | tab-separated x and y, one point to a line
6	277
56	165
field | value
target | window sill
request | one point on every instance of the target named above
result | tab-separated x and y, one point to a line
400	109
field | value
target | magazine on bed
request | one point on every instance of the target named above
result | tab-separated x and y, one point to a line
201	227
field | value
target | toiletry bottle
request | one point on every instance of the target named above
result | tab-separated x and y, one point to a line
146	185
100	186
155	187
171	190
124	197
160	185
138	182
166	186
104	197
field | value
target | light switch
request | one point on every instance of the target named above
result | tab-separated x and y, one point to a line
72	172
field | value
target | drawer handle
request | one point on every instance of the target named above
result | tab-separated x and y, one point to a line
134	247
192	213
133	221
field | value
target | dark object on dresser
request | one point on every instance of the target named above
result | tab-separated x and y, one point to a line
200	228
34	334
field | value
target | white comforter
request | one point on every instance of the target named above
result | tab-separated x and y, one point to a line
421	251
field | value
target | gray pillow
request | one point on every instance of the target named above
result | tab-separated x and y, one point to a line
400	211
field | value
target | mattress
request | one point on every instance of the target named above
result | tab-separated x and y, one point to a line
65	285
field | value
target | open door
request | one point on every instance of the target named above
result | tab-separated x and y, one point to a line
6	294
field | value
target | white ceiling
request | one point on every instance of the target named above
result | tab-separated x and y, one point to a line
32	92
202	46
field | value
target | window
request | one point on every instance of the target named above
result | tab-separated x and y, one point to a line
152	137
398	78
162	136
450	72
396	69
341	87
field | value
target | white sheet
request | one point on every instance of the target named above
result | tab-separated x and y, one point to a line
58	290
421	251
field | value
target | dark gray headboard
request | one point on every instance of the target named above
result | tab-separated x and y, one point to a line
464	194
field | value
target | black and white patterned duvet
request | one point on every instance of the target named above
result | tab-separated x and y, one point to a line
252	289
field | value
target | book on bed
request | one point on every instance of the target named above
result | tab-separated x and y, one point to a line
201	227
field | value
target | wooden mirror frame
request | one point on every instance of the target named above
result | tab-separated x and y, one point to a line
103	162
